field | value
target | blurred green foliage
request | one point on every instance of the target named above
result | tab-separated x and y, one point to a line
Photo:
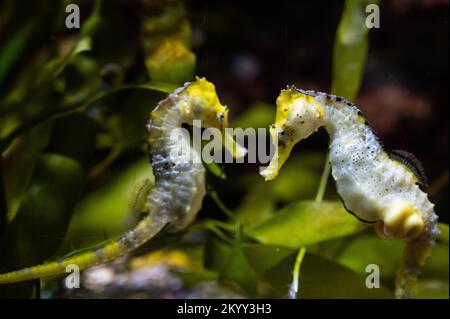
283	228
350	49
75	166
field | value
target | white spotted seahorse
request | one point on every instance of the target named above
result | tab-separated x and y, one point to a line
179	189
375	186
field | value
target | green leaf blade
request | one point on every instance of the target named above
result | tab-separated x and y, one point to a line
306	223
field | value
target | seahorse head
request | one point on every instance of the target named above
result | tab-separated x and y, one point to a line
204	105
298	116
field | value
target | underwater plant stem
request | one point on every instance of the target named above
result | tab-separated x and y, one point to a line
293	290
98	169
323	180
215	197
214	229
222	225
62	111
349	59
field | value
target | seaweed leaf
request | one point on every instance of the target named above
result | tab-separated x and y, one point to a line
165	41
303	223
61	111
115	205
350	50
230	262
12	50
370	249
43	217
19	164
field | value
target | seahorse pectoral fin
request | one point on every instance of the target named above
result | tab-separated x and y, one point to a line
282	150
139	198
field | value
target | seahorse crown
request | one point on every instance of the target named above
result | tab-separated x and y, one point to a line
204	104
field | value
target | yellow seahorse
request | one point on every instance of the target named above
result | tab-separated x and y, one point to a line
179	189
375	186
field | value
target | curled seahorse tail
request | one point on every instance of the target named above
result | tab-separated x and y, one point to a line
414	257
144	231
415	254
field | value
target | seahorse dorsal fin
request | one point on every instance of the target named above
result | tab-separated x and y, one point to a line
412	163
